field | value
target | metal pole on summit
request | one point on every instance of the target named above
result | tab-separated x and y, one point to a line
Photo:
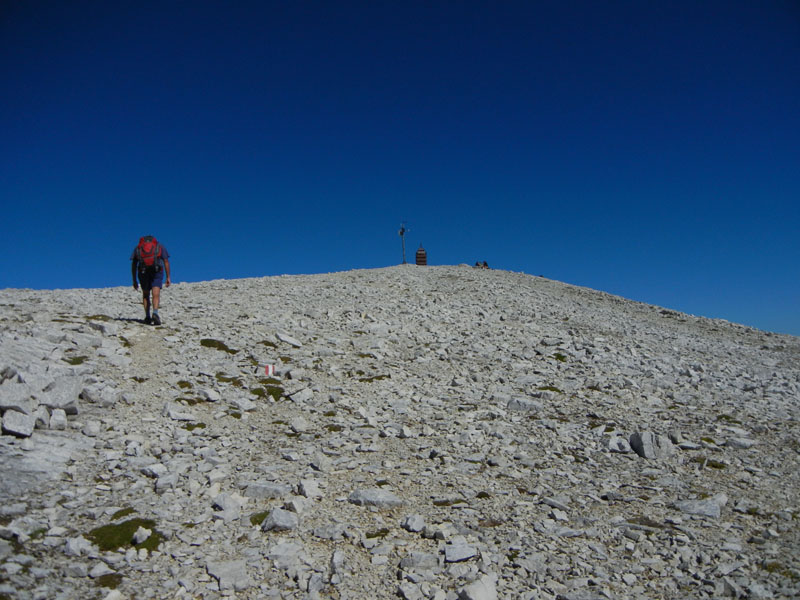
402	233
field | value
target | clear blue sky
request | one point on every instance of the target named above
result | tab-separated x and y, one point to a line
647	149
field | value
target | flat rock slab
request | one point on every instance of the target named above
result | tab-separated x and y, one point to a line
231	575
22	471
375	497
18	424
708	507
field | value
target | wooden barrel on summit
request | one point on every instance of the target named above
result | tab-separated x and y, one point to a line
422	256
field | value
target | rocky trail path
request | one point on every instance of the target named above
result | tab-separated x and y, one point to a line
440	432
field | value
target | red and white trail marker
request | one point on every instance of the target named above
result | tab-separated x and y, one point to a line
269	370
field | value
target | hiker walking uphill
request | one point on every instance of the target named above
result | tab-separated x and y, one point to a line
150	262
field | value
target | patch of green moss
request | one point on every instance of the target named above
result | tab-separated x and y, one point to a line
123	512
382	482
139	379
268	344
490	523
711	463
646	521
374	378
104	318
115	536
560	357
728	419
379	533
329	413
235	381
75	360
217	345
512	555
334	427
447	502
38	533
483	495
193	426
285	359
272	391
257	519
551	388
235	414
269	381
110	581
185	385
773	566
275	392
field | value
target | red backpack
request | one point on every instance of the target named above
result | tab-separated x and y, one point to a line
147	253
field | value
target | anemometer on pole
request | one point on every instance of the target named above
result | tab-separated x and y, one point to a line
402	233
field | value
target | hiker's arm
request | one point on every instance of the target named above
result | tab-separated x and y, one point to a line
133	275
166	270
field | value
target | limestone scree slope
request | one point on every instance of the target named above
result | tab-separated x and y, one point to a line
428	432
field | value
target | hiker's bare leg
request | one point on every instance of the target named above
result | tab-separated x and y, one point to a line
156	297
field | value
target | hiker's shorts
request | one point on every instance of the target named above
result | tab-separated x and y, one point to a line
151	279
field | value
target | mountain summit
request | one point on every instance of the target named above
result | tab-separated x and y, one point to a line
414	432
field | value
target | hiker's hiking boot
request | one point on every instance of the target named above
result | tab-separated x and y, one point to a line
156	319
148	320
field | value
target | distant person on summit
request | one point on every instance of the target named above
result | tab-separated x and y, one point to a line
150	261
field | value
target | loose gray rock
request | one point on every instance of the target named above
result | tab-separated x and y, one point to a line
709	507
58	419
482	589
459	551
619	444
302	396
524	404
17	396
280	520
375	497
309	488
740	443
267	489
231	574
284	337
18	424
141	535
413	523
419	561
652	446
63	393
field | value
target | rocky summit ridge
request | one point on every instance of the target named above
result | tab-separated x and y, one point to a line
428	433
